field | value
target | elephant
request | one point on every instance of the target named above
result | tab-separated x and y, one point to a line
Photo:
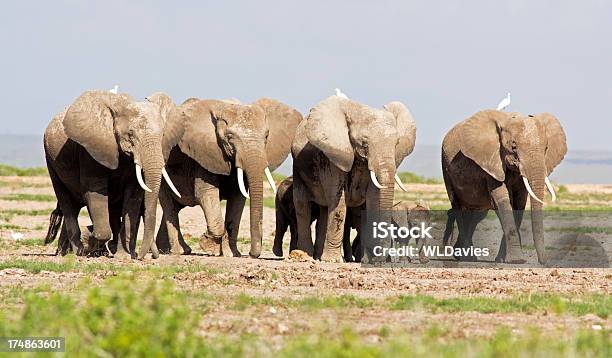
286	219
410	214
96	151
494	160
223	141
340	147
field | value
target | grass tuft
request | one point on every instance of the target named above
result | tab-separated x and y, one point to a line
9	170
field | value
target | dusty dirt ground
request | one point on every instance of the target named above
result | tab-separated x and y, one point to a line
280	279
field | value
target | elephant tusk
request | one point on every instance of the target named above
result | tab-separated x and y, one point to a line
375	181
526	182
399	182
170	183
550	189
270	179
241	183
139	178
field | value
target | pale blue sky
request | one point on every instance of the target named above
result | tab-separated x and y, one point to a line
444	59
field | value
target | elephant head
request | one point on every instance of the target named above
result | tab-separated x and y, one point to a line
347	131
531	146
226	137
111	125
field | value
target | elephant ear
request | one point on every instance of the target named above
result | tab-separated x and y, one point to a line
327	129
174	128
199	139
406	129
89	121
282	123
173	121
556	146
479	140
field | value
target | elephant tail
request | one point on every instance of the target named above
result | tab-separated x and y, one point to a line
450	226
55	222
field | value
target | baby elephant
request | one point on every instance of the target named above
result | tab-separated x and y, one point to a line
285	216
409	214
286	219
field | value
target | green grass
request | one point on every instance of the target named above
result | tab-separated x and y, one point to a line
278	177
8	170
409	177
128	316
598	304
268	202
9	214
28	197
434	343
69	264
11	227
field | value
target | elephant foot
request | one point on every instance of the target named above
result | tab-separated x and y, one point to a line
186	249
514	256
210	244
331	256
423	259
277	250
226	250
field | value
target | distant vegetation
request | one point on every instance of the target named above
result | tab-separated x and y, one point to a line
409	177
8	170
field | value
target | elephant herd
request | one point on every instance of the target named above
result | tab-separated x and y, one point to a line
112	154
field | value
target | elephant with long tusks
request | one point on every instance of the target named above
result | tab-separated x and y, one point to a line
225	150
97	151
496	160
345	154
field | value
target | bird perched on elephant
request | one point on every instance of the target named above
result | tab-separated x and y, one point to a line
221	142
96	151
494	160
345	154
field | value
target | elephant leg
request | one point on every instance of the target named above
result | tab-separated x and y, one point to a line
207	196
467	220
518	201
320	232
301	202
131	213
96	199
346	241
513	252
293	230
336	215
233	214
115	224
282	223
170	227
70	234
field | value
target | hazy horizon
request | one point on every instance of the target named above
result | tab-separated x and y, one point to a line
444	60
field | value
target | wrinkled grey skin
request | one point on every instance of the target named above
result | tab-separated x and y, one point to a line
91	150
334	150
484	160
410	214
286	219
219	138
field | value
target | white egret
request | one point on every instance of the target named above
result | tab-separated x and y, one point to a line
504	103
340	94
114	90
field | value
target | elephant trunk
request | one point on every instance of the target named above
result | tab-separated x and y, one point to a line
385	173
153	164
536	176
254	169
